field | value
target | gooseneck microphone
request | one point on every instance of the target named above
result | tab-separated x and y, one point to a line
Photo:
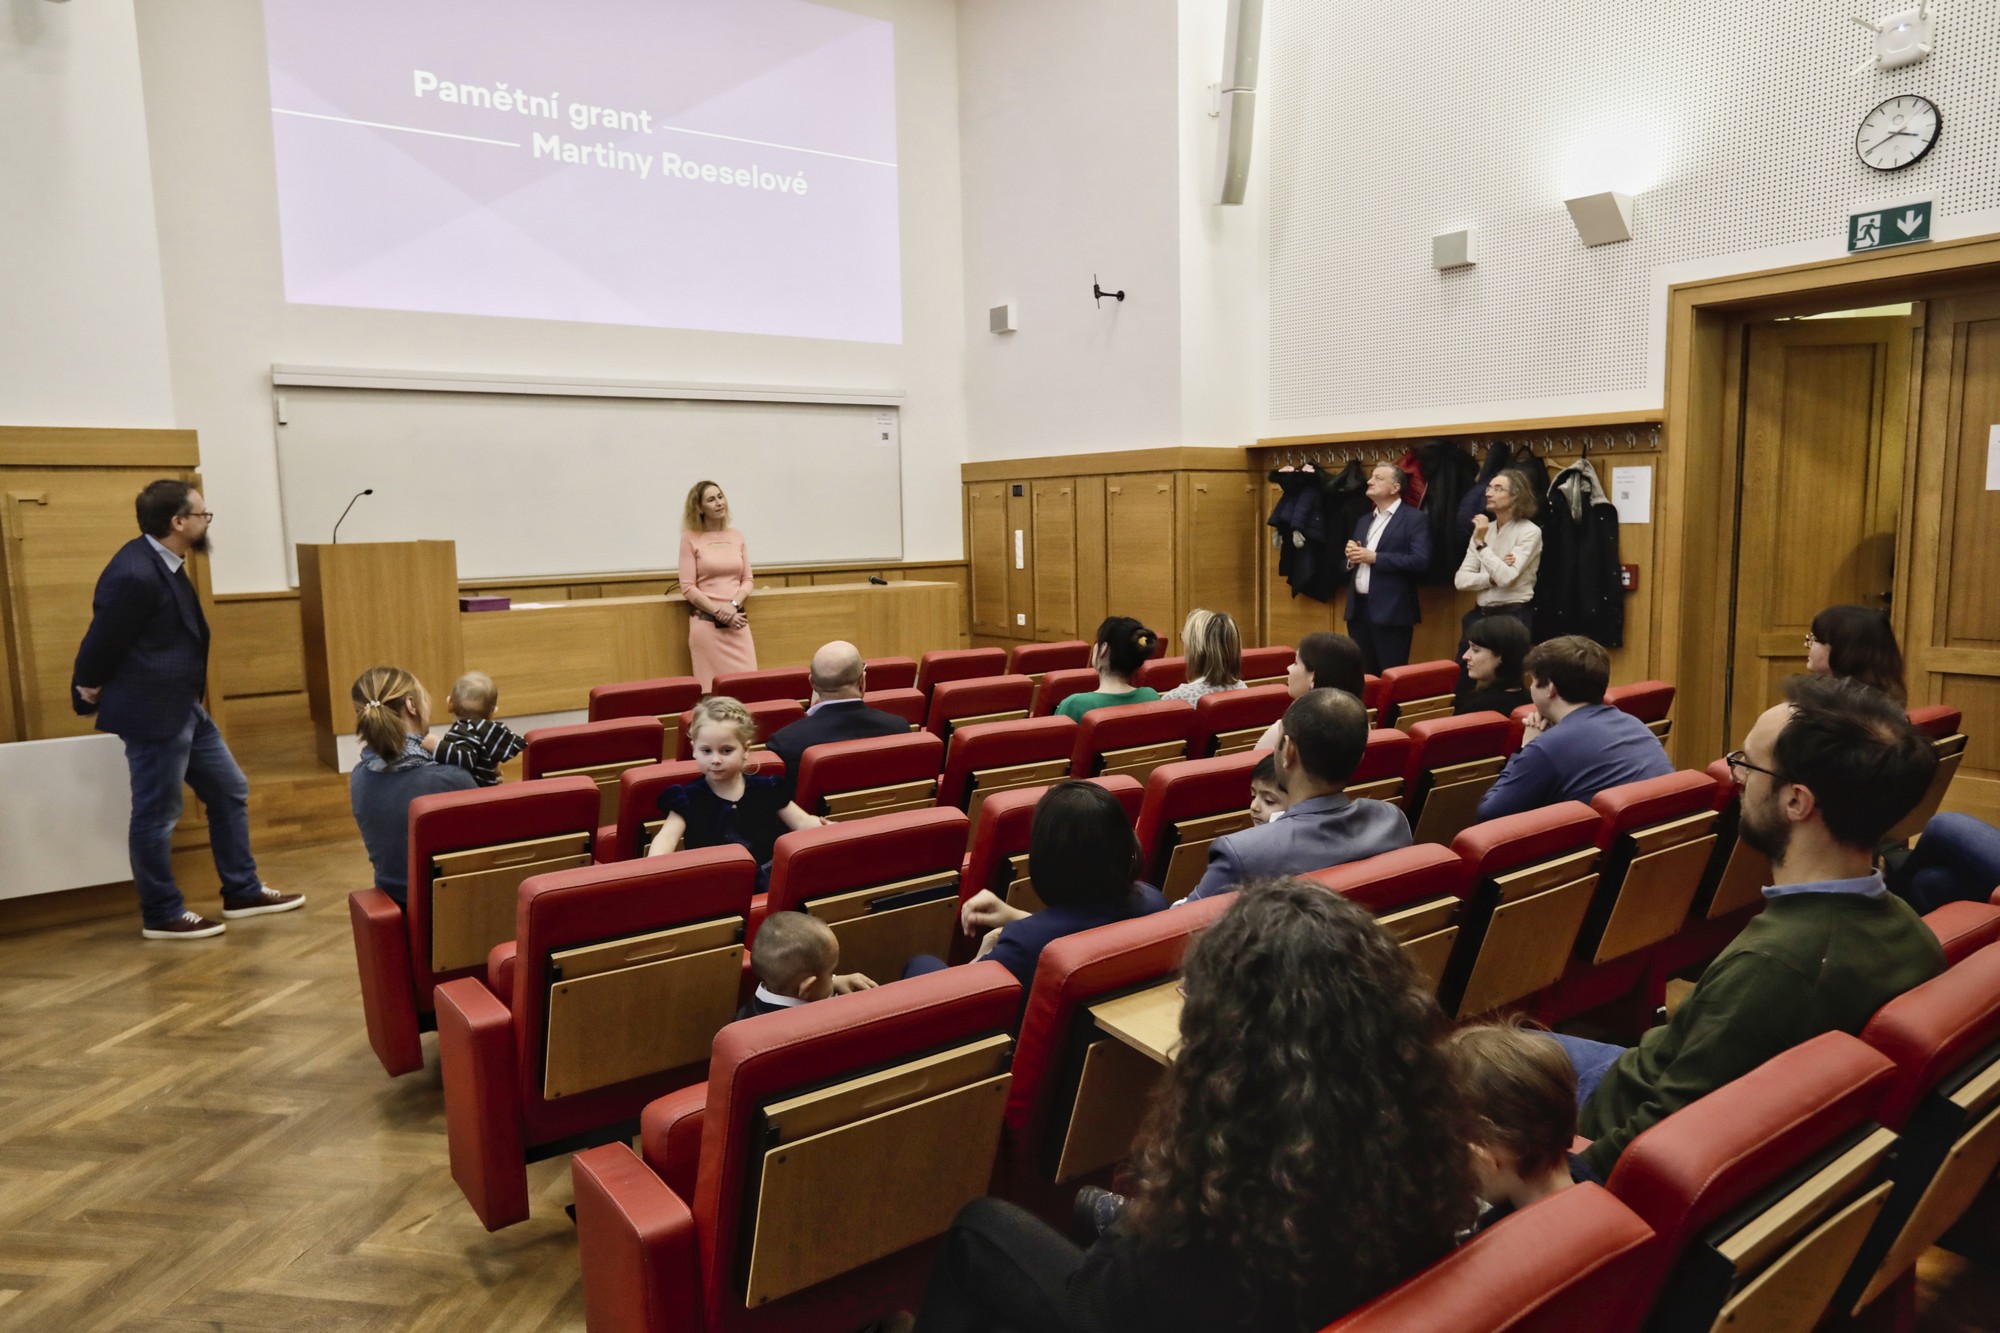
343	513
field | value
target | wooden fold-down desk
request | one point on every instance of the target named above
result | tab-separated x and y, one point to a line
1149	1021
547	655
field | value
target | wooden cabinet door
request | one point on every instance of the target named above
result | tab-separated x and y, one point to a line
989	556
1951	571
1054	565
1824	419
1139	551
1219	555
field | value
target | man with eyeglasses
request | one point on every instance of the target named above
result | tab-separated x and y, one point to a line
1822	777
142	669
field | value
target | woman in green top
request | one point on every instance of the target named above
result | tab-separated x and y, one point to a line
1123	646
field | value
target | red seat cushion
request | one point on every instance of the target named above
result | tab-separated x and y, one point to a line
1235	710
1059	685
755	686
1191	789
1443	741
872	761
1035	659
1419	680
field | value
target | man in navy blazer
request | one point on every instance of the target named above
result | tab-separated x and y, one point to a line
839	677
142	669
1325	732
1390	548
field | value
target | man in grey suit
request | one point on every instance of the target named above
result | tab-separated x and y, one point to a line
1325	732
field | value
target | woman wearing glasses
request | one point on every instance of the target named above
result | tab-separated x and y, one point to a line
1857	643
716	581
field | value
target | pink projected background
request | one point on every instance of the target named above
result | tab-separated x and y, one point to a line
695	164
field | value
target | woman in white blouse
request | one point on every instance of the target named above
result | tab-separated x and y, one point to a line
1504	555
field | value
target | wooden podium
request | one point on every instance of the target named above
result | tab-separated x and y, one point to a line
371	604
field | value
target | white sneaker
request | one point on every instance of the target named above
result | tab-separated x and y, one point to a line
190	927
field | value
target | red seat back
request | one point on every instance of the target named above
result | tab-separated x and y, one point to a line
769	715
934	668
659	698
1227	711
833	858
1386	755
1124	726
1162	674
977	696
1374	692
1036	659
1650	801
1267	664
1418	680
908	704
1444	741
891	673
1512	841
1933	1030
873	761
751	687
639	798
1005	822
1936	721
1059	685
621	740
1391	880
1191	789
1647	700
1964	928
989	745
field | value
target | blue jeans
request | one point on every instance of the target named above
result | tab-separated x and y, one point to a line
1591	1059
1956	860
197	756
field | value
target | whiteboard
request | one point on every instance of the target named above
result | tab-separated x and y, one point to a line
536	486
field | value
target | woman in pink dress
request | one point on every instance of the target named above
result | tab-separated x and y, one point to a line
715	580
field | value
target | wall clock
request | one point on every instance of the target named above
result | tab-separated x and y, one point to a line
1898	133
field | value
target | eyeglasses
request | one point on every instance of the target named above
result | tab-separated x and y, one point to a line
1740	759
199	513
1810	641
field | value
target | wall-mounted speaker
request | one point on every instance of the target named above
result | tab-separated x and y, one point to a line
1242	43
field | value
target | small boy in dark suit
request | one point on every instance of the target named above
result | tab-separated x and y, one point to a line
476	743
794	956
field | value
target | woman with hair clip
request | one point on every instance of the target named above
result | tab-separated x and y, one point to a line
716	583
1858	643
1214	655
1123	646
392	714
1322	662
1306	1150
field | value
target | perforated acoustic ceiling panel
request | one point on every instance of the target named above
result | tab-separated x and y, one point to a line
1732	122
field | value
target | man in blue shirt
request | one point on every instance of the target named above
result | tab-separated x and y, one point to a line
1577	745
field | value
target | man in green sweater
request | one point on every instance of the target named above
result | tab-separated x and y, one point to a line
1822	776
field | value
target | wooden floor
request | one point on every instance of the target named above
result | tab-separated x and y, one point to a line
198	1136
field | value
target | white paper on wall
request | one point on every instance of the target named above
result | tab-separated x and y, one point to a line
1632	492
1993	458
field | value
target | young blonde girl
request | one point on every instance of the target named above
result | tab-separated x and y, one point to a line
727	803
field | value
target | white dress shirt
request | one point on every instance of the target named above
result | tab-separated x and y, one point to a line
1376	527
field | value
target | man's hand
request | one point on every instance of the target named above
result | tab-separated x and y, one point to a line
89	693
985	911
1480	524
1533	726
986	945
846	983
1357	554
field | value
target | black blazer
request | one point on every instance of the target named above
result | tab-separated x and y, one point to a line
147	647
1401	558
839	720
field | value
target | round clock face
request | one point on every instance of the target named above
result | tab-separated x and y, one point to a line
1898	133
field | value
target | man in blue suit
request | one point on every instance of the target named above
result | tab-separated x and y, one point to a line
143	668
1325	732
1390	548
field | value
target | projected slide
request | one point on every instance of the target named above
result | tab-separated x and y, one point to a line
693	164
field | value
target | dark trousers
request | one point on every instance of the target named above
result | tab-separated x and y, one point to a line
1382	646
198	756
1000	1268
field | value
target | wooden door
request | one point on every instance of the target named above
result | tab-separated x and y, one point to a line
1950	582
1824	419
988	556
1220	525
1139	557
1054	570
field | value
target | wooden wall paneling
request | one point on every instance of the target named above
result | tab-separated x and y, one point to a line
1092	596
989	553
258	638
1053	565
1140	528
1020	578
1219	524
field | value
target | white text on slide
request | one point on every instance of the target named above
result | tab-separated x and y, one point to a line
747	178
499	97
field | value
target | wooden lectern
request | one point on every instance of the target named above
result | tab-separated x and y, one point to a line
372	604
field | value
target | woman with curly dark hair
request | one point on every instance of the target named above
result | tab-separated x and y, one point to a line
1307	1150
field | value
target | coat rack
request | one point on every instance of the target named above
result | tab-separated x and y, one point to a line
1638	438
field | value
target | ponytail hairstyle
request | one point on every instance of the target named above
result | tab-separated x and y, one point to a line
1214	648
1861	646
1127	644
721	710
379	697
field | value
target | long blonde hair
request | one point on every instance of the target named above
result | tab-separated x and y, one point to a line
721	710
378	697
691	515
1214	648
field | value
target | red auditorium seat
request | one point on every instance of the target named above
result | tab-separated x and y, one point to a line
1517	726
1941	724
997	857
1186	807
891	673
1131	738
1079	1094
1453	760
934	668
469	852
728	1225
1374	693
639	814
1418	692
1944	1038
876	775
599	751
978	699
1384	761
1528	882
751	687
908	704
661	699
1553	1267
1651	701
1415	892
1759	1193
1162	674
1937	721
1059	685
888	886
527	1071
1267	666
1964	928
769	715
1230	721
1038	659
992	757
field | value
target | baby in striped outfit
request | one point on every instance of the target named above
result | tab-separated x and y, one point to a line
475	742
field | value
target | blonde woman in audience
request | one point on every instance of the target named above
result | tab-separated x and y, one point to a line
392	715
716	581
729	802
1214	655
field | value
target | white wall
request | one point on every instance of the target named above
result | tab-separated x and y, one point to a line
1071	158
207	111
83	340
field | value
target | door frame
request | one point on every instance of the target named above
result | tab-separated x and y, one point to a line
1692	613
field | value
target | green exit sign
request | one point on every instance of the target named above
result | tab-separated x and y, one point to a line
1905	224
